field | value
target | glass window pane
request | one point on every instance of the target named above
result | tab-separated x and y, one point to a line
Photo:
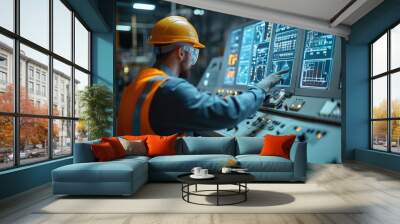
6	74
81	81
7	14
34	79
62	89
81	45
395	136
6	142
379	56
35	21
395	47
379	135
395	94
379	97
81	131
33	140
62	29
62	138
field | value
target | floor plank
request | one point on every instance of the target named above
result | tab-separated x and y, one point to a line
377	189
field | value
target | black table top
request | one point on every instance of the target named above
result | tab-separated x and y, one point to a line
220	178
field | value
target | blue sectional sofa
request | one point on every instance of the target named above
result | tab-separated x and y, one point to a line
125	176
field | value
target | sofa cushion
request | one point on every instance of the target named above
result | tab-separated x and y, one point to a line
134	147
112	171
161	145
103	152
257	163
117	146
206	145
185	163
275	145
249	145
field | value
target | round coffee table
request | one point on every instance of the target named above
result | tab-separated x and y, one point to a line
238	179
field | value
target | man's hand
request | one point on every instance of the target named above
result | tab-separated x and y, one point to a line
271	80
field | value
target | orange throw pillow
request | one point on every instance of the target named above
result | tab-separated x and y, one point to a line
116	145
277	145
103	152
135	138
161	145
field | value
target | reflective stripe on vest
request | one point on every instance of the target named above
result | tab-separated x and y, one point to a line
134	110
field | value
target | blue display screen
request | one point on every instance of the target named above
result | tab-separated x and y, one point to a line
284	51
254	52
317	64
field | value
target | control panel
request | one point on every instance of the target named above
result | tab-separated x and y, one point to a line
306	102
323	139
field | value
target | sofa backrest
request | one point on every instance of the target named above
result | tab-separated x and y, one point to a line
206	145
249	145
83	153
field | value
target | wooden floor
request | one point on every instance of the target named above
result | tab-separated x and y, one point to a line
378	188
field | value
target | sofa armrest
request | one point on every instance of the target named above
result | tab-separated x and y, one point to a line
298	156
83	152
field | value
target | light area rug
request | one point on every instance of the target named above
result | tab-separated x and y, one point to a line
166	198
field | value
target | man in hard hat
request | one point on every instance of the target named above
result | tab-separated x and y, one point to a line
160	100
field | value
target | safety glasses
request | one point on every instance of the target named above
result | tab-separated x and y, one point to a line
194	52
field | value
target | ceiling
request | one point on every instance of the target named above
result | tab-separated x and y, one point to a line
329	16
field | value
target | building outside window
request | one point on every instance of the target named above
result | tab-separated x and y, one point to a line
385	91
30	87
3	60
43	90
57	128
37	74
30	72
3	77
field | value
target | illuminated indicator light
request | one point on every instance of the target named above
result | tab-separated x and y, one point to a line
198	12
298	129
123	28
231	74
126	69
232	59
318	136
143	6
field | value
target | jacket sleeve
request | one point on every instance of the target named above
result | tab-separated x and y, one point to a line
179	106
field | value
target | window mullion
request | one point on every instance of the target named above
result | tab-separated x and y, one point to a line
389	104
16	85
73	82
50	81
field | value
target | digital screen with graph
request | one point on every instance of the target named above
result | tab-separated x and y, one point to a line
284	52
317	64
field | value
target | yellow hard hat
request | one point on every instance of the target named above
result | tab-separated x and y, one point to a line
173	29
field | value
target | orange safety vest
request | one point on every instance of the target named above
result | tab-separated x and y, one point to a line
134	109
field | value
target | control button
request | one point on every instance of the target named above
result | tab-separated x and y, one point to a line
282	125
297	128
318	135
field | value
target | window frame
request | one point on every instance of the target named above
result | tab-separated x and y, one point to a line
388	74
16	115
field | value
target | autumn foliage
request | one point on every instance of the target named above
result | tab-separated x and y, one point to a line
380	127
33	131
